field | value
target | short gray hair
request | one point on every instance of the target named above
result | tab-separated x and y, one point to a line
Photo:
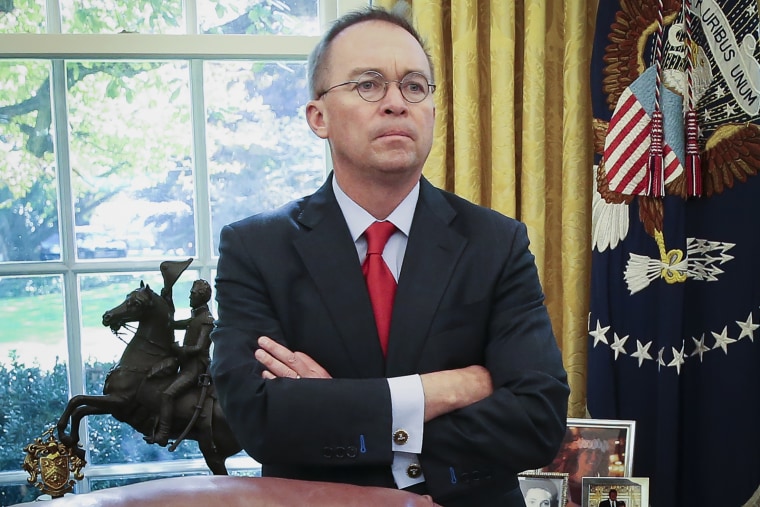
396	16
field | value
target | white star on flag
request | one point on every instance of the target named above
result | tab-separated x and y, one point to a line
619	345
722	340
642	352
678	359
599	334
699	347
748	328
660	358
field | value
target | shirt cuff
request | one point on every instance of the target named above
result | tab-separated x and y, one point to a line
408	412
406	470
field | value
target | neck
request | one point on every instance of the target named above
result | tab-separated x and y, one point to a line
199	309
379	197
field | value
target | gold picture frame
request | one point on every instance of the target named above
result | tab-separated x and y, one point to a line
630	491
544	485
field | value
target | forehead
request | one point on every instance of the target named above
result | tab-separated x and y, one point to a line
538	494
376	45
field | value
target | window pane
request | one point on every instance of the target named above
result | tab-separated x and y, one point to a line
34	383
131	158
261	152
22	17
34	333
11	494
284	17
115	16
28	201
112	441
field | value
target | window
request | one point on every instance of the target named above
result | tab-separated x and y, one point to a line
131	131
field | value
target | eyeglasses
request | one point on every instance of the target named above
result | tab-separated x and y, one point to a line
372	86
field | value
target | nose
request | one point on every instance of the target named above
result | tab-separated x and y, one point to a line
394	102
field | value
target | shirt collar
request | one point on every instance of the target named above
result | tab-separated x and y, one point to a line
358	219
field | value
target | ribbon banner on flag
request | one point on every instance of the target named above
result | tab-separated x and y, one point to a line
675	291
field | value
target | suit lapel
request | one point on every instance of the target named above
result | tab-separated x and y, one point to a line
431	256
330	257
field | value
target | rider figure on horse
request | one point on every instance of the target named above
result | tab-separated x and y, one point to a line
193	356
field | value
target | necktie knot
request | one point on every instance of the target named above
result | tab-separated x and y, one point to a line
377	236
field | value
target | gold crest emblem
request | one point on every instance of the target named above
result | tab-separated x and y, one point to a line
50	464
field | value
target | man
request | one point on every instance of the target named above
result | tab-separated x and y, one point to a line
193	357
612	501
470	389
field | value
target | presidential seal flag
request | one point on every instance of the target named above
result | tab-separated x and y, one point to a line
674	323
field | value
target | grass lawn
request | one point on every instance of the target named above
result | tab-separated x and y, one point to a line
40	318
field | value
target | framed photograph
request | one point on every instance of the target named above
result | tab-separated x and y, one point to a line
594	448
618	491
544	489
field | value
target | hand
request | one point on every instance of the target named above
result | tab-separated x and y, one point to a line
280	361
449	390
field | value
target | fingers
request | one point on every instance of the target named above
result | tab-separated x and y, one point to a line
276	359
280	361
309	368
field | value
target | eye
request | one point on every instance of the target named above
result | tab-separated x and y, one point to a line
368	85
414	87
415	84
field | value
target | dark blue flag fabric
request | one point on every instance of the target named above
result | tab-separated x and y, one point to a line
674	326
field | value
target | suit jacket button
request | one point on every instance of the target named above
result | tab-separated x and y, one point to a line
414	470
400	437
327	452
351	451
340	452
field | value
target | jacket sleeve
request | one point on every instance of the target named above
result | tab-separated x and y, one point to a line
322	422
521	425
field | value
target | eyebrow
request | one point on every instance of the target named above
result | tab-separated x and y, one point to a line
357	71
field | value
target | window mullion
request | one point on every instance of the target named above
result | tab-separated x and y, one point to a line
191	16
202	196
53	15
71	301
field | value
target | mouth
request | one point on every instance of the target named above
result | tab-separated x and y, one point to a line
395	134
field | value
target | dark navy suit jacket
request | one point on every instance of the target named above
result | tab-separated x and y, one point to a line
468	293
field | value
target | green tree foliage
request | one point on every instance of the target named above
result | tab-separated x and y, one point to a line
128	134
34	399
130	122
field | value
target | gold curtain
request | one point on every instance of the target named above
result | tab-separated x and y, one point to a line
513	132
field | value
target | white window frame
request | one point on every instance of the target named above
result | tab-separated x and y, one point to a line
196	48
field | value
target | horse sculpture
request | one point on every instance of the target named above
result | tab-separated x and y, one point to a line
132	394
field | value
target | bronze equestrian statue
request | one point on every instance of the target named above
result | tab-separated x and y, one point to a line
146	378
193	358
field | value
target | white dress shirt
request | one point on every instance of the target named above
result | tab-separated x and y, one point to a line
407	396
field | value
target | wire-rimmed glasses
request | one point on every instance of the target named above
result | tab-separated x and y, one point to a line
372	86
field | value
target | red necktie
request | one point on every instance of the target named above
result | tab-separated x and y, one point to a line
380	282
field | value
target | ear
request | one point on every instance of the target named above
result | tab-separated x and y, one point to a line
316	116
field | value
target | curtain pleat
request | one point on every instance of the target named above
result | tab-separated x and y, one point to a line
513	132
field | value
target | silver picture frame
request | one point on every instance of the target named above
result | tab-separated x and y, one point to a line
553	483
594	448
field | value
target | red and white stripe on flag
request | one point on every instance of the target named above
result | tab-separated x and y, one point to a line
626	148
